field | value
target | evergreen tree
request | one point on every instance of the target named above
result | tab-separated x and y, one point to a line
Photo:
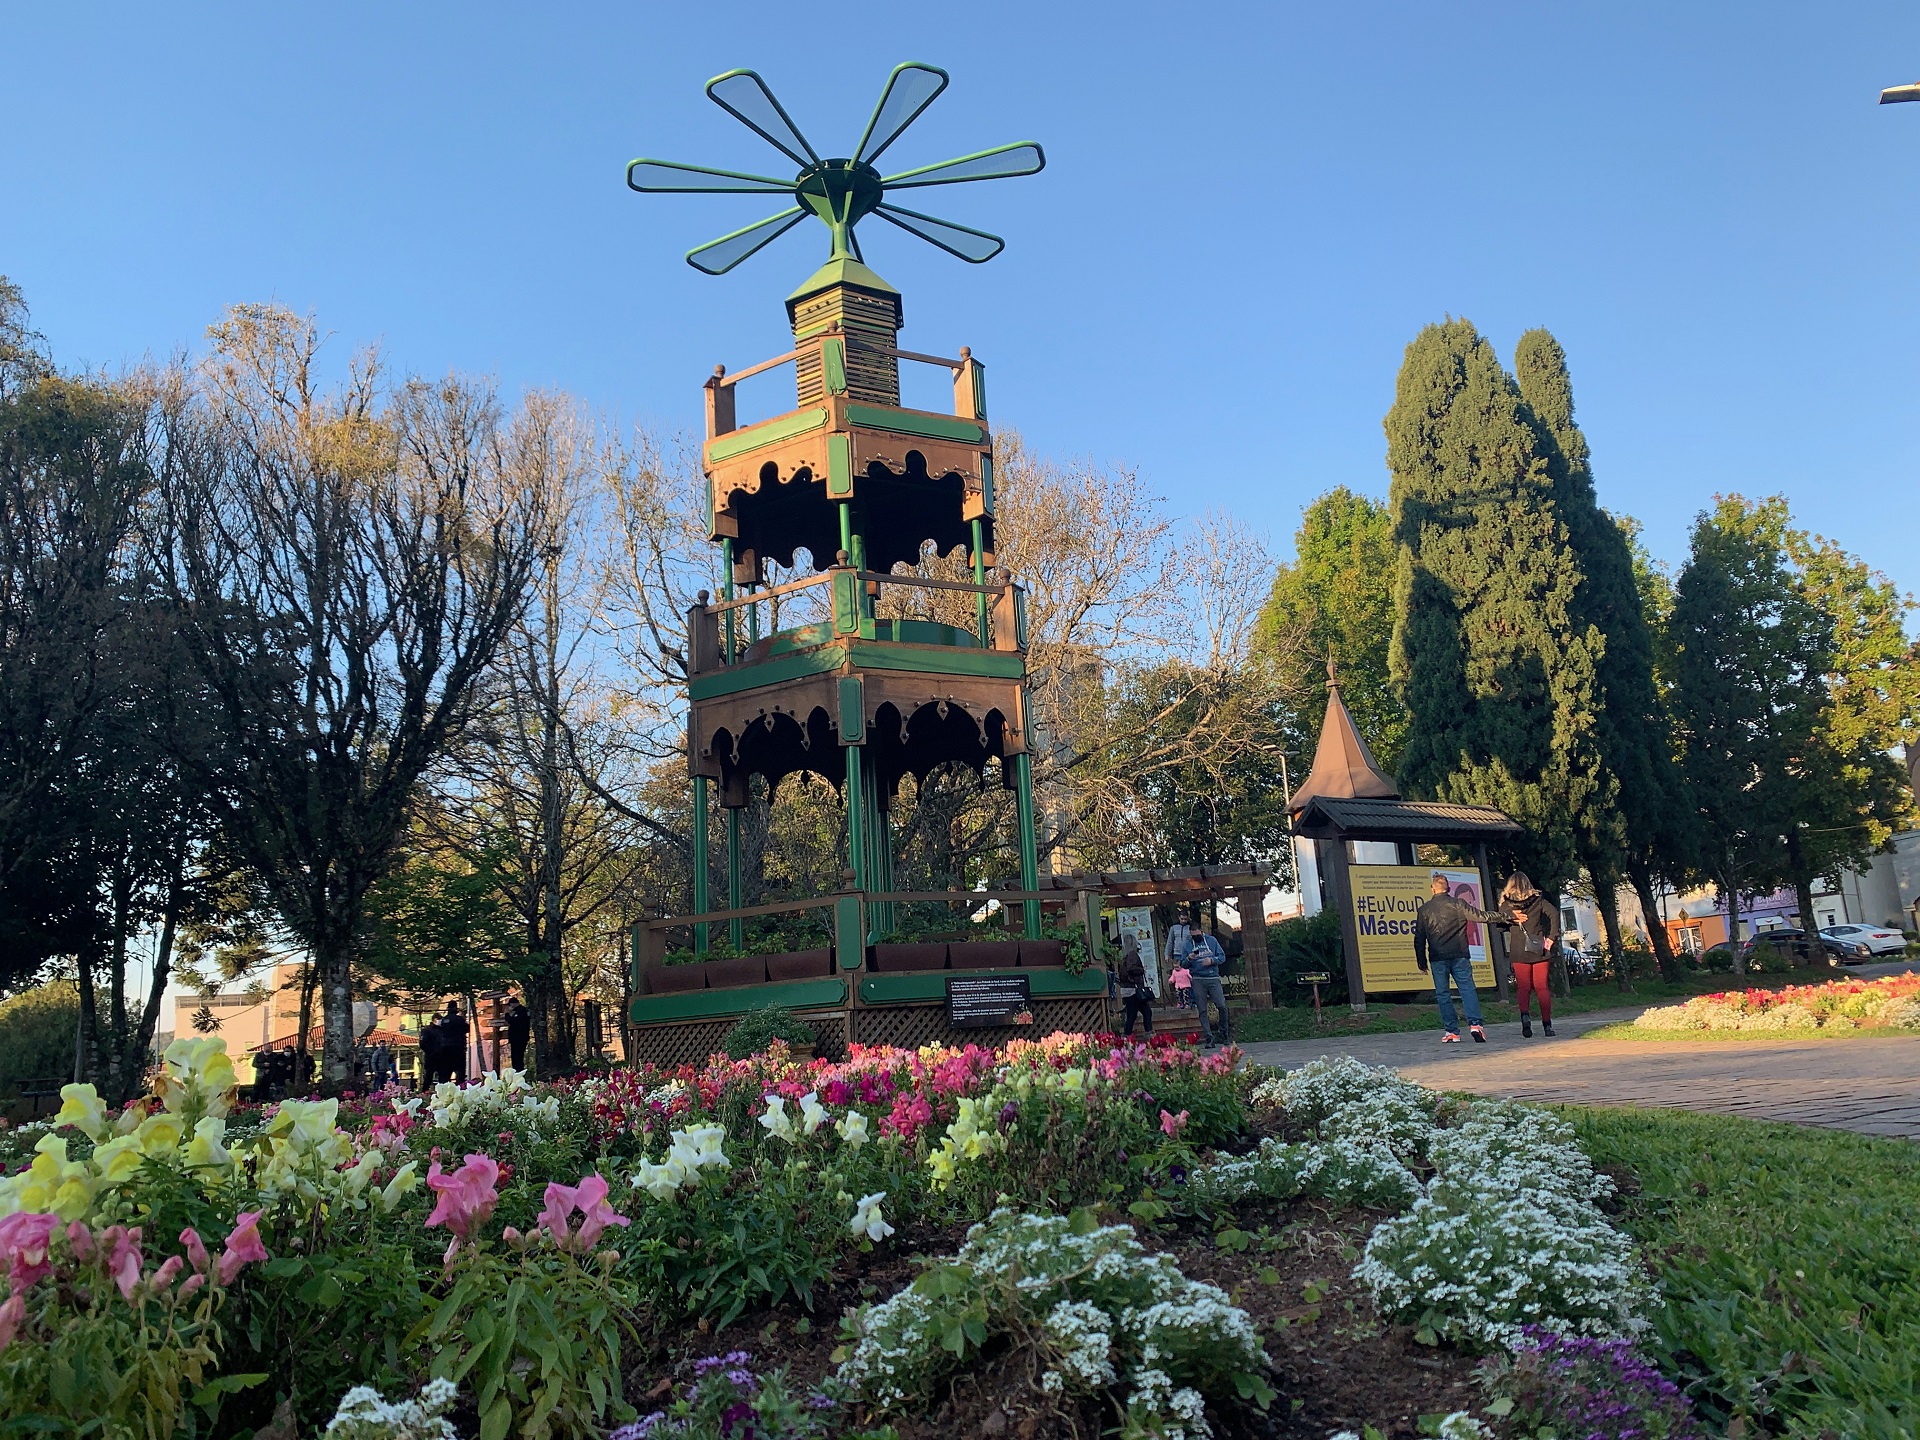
1334	600
1635	827
1497	669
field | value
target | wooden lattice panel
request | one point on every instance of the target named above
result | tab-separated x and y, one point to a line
687	1042
911	1026
690	1042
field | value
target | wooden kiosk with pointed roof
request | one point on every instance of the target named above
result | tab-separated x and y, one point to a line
1345	798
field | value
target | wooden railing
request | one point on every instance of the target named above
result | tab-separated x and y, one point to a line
723	411
718	638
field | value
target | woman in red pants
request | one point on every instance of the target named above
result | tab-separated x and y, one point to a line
1533	930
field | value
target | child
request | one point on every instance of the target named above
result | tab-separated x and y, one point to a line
1182	986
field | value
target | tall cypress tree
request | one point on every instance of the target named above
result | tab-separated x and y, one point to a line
1635	827
1497	668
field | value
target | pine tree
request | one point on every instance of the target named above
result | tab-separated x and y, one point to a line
1497	670
1334	600
1635	826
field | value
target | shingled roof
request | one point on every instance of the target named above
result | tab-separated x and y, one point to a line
1343	766
1436	822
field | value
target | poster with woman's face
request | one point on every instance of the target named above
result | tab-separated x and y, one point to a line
1467	892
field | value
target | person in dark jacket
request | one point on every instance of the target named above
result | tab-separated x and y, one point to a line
1440	941
519	1026
1533	929
453	1025
1136	996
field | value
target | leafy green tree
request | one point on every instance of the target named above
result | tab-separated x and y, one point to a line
1497	667
1750	656
1636	822
1334	601
37	1029
440	923
1851	795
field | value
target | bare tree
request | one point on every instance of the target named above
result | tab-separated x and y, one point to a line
347	563
528	788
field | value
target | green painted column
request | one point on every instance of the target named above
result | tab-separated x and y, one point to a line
736	928
702	899
857	815
980	578
1029	846
846	528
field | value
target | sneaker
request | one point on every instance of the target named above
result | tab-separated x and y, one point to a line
1450	1038
1547	1025
1526	1026
1479	1035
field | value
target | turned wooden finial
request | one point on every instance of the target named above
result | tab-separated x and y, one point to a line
840	557
718	371
701	597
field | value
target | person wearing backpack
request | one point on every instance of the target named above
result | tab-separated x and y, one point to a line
1191	948
1137	995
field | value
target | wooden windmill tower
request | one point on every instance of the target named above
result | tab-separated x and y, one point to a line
860	484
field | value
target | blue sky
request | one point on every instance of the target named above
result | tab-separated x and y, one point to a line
1247	213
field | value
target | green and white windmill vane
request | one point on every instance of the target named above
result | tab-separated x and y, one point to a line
840	192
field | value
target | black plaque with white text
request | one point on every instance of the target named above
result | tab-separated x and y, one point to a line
974	1001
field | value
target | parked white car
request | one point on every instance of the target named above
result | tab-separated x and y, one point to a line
1877	938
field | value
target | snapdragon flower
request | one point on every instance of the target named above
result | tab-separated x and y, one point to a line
867	1219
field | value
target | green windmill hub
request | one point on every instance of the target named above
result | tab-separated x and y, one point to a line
843	192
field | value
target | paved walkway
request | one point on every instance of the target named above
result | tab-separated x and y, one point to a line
1868	1085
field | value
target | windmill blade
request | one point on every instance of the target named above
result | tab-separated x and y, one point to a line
745	96
909	90
716	257
1003	162
976	247
668	177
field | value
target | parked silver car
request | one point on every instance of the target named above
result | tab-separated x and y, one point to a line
1877	939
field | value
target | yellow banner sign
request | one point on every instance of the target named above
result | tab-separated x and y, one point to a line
1385	900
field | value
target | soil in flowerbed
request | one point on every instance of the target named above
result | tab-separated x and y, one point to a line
1336	1365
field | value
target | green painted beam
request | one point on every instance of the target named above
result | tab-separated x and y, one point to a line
937	660
928	985
738	1000
735	678
908	422
782	427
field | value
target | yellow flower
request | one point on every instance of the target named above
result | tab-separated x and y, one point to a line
160	1134
118	1159
80	1107
404	1179
52	1182
205	1151
197	1076
940	1162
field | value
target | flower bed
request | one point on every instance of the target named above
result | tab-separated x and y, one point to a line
524	1243
1840	1007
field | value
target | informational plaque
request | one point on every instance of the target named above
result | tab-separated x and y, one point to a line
1385	900
980	1000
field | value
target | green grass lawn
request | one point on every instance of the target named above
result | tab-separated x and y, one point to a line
1789	1258
1295	1023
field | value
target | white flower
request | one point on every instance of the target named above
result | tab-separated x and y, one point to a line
776	1122
662	1181
853	1129
867	1219
812	1113
700	1147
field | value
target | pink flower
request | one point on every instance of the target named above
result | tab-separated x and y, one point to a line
11	1314
24	1238
123	1257
243	1246
1172	1125
196	1247
589	1197
81	1240
194	1282
562	1200
467	1196
168	1272
595	1213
